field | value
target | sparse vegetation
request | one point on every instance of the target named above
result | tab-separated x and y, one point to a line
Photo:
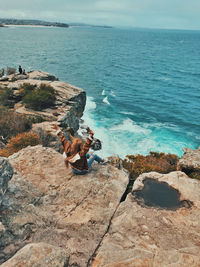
22	140
38	98
12	123
159	162
25	89
6	97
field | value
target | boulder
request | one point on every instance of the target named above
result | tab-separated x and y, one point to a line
38	255
190	162
142	235
45	202
41	75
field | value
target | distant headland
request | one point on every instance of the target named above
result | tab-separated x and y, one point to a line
28	22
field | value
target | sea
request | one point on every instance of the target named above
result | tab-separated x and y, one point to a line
142	85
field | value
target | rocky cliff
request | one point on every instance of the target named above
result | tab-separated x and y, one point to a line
67	220
52	217
69	105
46	203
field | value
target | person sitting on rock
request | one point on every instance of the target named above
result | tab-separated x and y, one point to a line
76	154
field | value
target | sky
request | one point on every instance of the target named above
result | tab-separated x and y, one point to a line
167	14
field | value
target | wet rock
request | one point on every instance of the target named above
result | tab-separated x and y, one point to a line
140	235
40	255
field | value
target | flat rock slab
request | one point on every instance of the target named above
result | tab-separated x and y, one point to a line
60	208
38	255
148	236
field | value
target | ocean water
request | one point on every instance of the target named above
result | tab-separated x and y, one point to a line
143	86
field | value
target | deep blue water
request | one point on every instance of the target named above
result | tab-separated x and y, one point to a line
143	86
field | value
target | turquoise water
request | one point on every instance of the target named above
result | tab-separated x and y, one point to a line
143	86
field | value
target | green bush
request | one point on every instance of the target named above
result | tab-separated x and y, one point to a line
7	97
25	89
40	97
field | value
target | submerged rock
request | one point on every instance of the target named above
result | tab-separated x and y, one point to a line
140	235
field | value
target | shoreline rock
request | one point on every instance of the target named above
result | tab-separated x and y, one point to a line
49	214
70	100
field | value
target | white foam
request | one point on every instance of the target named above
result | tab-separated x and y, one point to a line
130	126
160	125
112	93
103	92
127	113
163	78
105	100
90	104
128	137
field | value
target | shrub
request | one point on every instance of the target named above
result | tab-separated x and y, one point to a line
12	123
6	97
40	98
159	162
25	89
22	140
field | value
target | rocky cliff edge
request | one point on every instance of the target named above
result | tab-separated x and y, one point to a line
69	105
67	220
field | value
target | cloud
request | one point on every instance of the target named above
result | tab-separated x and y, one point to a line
136	13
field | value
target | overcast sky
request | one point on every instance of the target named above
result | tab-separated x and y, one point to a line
175	14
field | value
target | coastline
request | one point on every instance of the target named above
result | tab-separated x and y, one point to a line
31	26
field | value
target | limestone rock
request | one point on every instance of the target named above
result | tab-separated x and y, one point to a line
190	162
149	236
6	173
38	255
45	202
41	75
15	77
70	100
